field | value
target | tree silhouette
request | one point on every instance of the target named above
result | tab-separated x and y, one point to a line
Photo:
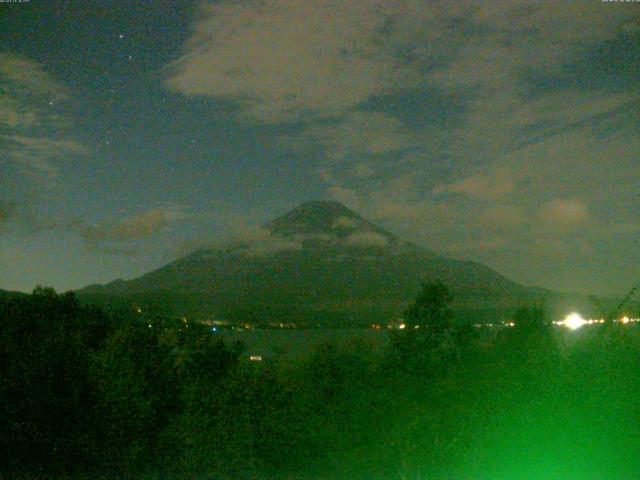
530	318
431	309
427	342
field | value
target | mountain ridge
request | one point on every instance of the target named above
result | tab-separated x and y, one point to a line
319	256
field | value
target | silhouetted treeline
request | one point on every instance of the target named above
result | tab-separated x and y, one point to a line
86	394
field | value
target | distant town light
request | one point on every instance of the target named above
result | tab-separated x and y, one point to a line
255	358
574	321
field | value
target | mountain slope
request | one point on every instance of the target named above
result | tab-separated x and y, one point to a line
319	259
9	294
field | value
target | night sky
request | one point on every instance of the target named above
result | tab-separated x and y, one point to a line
504	132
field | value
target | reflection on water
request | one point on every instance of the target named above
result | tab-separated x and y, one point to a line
265	343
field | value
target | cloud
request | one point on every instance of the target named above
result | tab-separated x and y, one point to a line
345	222
358	134
285	59
493	244
507	164
125	237
25	217
20	74
363	170
35	155
120	251
345	195
259	241
398	205
627	228
492	185
500	217
14	114
34	135
254	240
564	213
517	239
361	145
366	239
138	227
325	62
561	249
27	90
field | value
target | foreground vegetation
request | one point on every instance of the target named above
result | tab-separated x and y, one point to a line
123	395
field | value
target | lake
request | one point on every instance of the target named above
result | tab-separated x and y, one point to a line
300	342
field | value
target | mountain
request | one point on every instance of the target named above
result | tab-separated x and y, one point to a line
7	297
320	262
9	294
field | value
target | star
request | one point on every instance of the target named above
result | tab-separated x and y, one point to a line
121	36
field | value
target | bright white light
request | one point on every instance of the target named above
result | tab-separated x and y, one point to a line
574	321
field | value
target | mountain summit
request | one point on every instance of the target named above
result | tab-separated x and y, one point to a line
324	225
323	217
319	262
